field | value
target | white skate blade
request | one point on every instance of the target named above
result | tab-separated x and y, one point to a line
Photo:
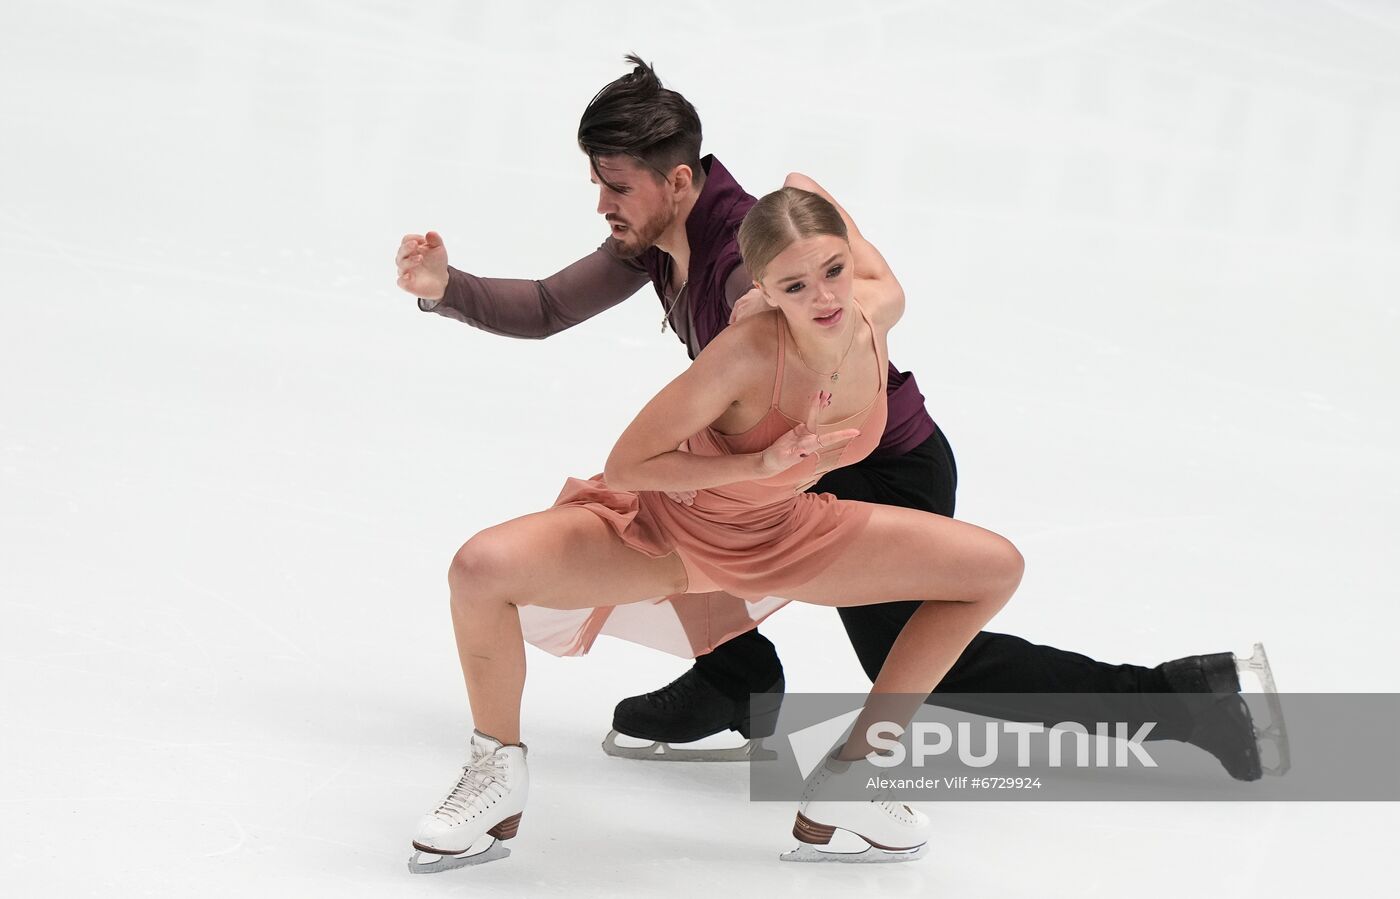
665	752
1275	735
849	849
423	862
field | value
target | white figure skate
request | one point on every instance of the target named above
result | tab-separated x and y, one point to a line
854	831
482	811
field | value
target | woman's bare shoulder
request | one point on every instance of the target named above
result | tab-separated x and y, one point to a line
746	346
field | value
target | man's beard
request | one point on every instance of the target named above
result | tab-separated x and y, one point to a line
641	239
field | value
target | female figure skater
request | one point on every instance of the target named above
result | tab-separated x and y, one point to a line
755	428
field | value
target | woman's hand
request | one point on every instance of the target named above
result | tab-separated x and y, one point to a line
803	441
684	497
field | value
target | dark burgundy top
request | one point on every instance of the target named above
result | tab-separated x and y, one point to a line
601	280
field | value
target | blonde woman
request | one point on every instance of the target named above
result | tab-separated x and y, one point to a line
774	402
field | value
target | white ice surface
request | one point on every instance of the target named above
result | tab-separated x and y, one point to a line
1152	254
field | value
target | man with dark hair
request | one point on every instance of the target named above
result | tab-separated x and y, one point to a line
674	217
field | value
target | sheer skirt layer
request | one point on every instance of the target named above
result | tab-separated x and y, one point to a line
739	558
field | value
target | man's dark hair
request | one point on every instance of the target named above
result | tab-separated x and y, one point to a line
635	116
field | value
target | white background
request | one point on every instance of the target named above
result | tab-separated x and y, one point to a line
1151	251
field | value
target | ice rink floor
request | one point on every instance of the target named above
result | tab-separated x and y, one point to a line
1152	258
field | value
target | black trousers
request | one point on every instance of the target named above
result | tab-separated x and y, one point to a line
926	478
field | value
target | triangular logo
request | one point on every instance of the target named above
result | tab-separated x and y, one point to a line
812	744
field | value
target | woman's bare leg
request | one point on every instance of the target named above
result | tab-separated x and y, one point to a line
564	558
964	574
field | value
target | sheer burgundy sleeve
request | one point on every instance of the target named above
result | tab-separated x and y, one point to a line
737	284
516	307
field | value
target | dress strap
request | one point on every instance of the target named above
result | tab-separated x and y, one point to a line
778	376
874	344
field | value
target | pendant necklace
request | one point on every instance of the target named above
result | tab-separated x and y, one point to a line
666	316
835	375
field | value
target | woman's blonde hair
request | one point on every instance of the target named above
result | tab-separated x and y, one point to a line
780	218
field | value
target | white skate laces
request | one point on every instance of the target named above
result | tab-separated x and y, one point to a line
875	829
835	768
482	810
900	812
480	785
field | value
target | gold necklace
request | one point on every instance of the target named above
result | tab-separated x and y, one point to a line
835	375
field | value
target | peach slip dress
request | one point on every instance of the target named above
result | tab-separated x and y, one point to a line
742	544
